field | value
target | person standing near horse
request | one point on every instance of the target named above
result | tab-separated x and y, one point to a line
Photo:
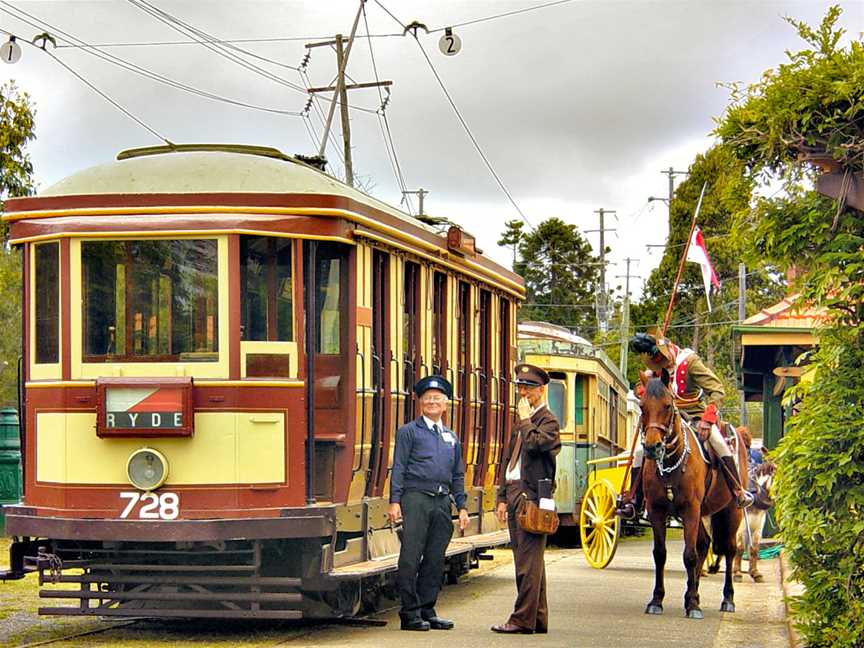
698	392
529	458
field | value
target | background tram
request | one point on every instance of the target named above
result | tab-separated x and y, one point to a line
589	395
219	343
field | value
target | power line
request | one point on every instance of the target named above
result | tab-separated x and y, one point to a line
461	119
213	44
137	69
278	39
383	122
502	15
110	100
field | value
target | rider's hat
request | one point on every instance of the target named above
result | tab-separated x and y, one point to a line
530	375
656	352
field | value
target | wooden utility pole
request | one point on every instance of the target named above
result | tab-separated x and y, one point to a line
340	94
625	317
602	311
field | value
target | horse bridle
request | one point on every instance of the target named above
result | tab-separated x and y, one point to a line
680	444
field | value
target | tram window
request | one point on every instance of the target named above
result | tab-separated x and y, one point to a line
47	303
151	300
328	300
266	289
556	395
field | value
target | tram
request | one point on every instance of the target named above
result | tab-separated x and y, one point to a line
219	344
589	396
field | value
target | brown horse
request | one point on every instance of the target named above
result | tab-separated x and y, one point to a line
678	483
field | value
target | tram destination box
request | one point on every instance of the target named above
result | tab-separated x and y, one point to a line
144	407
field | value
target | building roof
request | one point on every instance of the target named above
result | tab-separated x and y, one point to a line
788	313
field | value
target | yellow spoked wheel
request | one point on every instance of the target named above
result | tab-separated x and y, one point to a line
598	524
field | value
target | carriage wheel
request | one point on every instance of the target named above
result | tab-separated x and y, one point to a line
598	524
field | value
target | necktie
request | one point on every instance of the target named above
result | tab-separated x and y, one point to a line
437	430
517	452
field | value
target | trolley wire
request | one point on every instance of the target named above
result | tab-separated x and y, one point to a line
213	44
502	15
136	69
461	119
383	122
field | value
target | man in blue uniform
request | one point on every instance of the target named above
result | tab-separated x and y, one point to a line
427	473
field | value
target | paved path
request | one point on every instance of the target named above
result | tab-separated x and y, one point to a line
588	607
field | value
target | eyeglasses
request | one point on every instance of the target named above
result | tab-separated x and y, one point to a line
433	399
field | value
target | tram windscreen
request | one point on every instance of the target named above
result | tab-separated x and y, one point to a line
150	300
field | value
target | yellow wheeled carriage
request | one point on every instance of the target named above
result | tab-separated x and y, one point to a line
599	525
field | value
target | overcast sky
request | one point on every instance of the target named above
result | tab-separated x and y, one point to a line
577	106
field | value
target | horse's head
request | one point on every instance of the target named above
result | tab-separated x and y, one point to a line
658	416
763	481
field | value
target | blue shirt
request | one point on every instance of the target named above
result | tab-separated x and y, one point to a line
426	461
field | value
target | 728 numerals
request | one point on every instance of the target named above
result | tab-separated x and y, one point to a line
165	506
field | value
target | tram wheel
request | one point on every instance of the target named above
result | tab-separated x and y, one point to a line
599	526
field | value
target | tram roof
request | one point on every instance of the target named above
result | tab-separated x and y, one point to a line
210	169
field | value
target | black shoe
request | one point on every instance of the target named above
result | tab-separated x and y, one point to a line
415	624
437	623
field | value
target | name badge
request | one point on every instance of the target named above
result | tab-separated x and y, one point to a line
449	438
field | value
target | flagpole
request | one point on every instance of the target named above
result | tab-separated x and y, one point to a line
681	265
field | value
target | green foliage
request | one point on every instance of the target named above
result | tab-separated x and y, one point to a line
16	130
820	494
811	106
560	274
812	109
16	179
727	196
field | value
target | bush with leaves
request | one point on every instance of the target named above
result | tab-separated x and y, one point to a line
812	108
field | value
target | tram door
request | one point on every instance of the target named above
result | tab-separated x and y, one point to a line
328	277
380	363
483	371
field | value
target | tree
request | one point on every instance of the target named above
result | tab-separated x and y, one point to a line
16	179
728	194
512	236
560	273
812	108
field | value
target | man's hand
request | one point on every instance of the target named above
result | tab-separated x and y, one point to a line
463	519
394	513
501	512
703	429
523	408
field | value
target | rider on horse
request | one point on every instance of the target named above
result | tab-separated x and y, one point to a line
698	393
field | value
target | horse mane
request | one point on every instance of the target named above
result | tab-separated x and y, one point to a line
656	388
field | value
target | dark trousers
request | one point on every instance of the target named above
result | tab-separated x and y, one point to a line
427	527
530	609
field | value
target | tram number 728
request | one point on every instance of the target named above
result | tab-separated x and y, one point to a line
164	506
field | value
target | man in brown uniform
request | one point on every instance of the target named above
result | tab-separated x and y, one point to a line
530	457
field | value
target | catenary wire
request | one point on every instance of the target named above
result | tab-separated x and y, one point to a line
383	122
142	71
502	15
462	120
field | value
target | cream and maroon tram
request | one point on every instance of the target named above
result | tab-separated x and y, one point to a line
219	344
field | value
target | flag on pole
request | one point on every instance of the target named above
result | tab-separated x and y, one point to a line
697	253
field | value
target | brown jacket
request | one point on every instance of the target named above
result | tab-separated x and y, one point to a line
541	442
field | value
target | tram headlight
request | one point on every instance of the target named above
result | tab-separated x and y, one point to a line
147	469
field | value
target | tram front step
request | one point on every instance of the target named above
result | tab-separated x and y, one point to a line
172	613
173	579
262	597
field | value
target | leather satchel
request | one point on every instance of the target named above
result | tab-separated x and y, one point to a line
533	519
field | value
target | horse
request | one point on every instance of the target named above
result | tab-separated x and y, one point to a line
750	532
678	482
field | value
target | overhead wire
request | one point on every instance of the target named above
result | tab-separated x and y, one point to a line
502	15
132	67
102	94
384	124
213	44
275	39
461	119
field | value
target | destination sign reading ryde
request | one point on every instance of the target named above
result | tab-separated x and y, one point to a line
148	406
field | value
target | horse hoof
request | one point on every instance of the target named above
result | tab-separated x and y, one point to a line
713	569
695	614
757	578
738	578
653	608
727	606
